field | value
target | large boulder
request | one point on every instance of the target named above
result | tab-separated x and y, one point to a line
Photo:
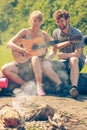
49	85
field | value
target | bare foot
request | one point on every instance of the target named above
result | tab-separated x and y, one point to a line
40	91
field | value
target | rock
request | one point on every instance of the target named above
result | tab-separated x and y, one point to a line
49	85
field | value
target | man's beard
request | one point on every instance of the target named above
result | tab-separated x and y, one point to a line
64	27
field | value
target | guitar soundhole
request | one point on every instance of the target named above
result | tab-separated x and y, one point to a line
35	47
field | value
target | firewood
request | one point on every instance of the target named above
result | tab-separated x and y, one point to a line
9	116
40	113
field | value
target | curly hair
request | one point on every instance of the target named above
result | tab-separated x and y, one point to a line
60	14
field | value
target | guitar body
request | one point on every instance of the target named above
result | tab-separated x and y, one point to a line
29	44
38	47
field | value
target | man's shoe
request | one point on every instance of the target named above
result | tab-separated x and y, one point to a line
6	93
74	92
11	94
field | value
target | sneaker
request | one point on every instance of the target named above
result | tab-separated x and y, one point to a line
10	94
6	93
40	91
74	92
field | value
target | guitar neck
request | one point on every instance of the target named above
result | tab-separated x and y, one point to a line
63	43
47	44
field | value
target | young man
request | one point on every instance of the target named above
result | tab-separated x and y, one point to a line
71	53
27	60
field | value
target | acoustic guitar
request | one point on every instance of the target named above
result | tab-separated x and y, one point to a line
38	46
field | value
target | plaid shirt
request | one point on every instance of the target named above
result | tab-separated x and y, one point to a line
58	35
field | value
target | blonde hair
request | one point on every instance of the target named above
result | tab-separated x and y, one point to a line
36	14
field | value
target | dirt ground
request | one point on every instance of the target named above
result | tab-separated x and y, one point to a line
62	104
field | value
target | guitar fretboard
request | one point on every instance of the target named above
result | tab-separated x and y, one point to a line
74	38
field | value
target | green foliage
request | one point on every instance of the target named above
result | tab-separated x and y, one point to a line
5	55
0	42
14	14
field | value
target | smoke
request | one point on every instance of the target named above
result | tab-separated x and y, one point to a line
62	70
28	89
25	98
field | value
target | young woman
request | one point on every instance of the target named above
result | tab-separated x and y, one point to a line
28	60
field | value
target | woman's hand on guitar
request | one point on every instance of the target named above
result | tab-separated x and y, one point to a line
27	52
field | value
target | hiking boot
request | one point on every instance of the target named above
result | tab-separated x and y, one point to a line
6	93
74	92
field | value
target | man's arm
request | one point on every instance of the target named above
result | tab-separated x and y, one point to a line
76	53
56	47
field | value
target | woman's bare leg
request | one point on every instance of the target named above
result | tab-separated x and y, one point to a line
37	68
11	72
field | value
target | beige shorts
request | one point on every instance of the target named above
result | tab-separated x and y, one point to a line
25	71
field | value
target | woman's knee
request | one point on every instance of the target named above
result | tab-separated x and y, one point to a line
35	59
8	68
4	69
74	60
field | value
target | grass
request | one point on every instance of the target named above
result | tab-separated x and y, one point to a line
6	56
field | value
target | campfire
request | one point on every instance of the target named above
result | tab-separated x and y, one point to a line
26	113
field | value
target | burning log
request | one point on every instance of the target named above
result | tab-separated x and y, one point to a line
9	117
56	124
40	114
11	122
